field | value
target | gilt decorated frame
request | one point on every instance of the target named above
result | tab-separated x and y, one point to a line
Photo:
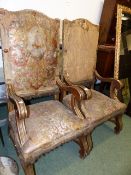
120	10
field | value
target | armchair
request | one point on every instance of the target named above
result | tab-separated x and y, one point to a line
79	49
29	46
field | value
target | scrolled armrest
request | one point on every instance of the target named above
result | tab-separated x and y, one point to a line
75	90
116	85
102	78
78	94
87	91
18	102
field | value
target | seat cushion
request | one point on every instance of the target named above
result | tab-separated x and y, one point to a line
50	124
99	108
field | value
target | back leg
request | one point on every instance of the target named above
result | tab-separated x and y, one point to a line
118	122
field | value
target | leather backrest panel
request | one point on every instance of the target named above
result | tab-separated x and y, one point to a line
29	41
80	46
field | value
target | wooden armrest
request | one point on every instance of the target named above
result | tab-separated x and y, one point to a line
21	113
103	79
18	102
87	91
116	85
78	94
75	90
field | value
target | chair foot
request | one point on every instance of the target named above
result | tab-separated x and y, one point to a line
119	124
28	169
86	144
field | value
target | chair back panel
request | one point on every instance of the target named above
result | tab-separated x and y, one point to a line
29	42
80	46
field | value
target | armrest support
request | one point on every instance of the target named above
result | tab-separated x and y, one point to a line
116	85
18	102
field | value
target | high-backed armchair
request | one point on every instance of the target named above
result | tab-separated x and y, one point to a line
30	45
79	66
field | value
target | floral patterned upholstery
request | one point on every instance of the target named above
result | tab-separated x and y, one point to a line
30	51
50	124
98	108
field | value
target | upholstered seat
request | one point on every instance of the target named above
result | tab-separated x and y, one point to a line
99	108
50	124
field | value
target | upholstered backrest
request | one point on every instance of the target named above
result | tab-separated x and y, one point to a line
80	46
29	43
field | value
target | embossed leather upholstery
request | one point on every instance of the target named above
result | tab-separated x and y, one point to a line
30	58
80	46
99	108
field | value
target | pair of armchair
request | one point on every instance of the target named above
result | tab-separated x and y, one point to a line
34	66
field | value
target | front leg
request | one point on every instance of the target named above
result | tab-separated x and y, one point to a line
29	169
86	144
